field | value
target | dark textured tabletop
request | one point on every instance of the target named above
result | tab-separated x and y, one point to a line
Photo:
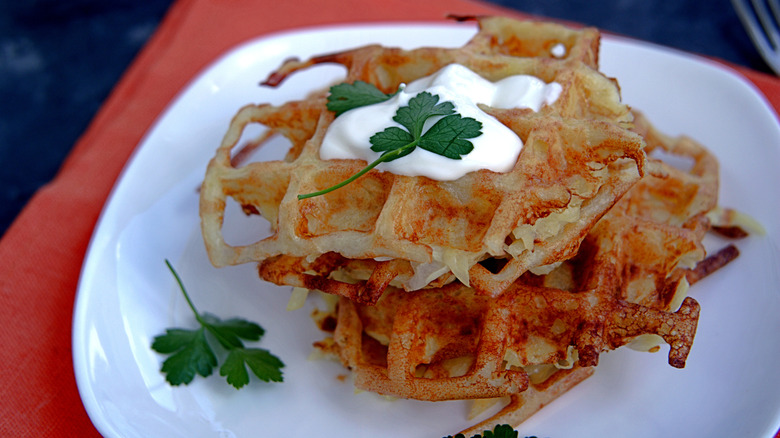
60	59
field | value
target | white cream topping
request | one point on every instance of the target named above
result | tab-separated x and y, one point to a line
496	149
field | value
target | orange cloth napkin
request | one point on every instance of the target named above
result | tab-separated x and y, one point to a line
41	253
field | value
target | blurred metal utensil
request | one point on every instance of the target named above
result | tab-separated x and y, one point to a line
761	19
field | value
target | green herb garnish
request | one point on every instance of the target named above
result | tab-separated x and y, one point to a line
447	137
191	353
344	97
500	431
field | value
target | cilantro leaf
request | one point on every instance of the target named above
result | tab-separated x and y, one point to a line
191	354
344	97
448	137
263	364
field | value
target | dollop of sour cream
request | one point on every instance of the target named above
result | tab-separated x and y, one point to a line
496	149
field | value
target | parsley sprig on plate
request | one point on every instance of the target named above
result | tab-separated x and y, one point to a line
190	351
448	137
500	431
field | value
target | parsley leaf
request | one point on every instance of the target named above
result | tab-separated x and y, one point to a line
448	137
344	97
190	352
500	431
420	108
191	355
229	333
262	363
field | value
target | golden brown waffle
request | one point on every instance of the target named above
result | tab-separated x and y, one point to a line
648	249
541	336
495	284
579	158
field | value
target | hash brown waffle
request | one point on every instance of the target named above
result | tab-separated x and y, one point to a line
545	333
579	158
495	284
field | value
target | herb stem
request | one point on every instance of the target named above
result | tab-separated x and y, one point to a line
184	291
387	156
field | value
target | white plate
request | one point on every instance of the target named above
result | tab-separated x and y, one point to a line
730	387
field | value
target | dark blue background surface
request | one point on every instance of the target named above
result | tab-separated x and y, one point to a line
60	59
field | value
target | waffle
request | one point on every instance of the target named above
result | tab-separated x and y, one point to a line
494	285
579	157
626	285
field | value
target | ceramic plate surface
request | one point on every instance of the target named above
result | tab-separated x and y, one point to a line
729	388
